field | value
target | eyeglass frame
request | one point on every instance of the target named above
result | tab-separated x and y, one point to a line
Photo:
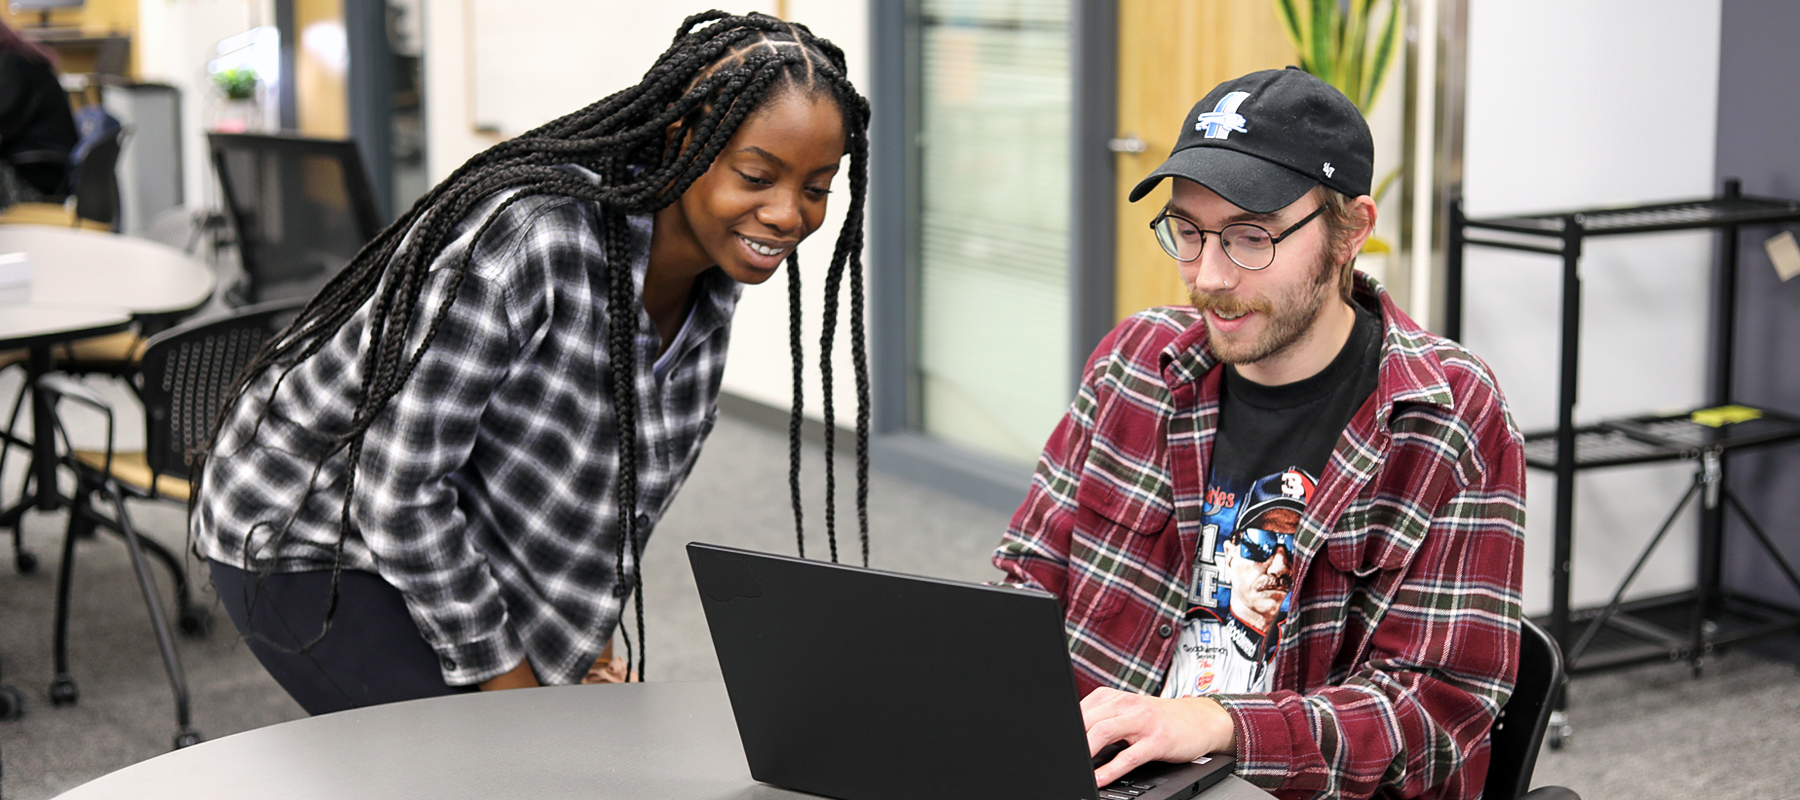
1274	239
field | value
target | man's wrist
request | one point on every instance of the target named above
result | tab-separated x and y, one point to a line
1220	729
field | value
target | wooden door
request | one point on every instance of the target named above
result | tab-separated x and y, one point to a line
1171	52
321	69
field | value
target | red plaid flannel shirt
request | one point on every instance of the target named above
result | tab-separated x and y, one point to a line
1403	641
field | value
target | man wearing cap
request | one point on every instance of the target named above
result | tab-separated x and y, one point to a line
1285	522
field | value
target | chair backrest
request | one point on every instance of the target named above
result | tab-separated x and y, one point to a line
187	372
1518	733
96	180
302	207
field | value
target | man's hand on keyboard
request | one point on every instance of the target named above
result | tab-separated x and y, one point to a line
1157	729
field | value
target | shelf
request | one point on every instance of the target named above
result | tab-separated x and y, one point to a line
1686	215
1658	437
1661	628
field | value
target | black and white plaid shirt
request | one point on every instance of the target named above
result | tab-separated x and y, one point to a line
486	489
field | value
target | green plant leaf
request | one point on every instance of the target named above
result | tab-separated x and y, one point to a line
1323	42
236	83
1350	51
1387	182
1382	56
1291	22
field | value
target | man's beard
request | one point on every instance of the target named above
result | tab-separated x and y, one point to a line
1288	319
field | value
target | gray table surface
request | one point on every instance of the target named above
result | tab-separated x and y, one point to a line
675	741
76	267
31	323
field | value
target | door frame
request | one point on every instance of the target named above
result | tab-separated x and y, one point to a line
894	211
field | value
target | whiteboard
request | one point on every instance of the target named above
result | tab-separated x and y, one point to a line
531	61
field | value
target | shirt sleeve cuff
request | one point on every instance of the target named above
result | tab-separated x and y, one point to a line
1264	738
468	663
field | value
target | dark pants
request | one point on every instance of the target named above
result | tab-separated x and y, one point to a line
373	653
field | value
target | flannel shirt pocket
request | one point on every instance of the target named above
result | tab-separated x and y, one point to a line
1111	528
1379	531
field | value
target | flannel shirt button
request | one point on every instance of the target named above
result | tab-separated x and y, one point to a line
643	522
449	663
1165	631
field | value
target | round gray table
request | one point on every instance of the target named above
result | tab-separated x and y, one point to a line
671	741
70	266
78	274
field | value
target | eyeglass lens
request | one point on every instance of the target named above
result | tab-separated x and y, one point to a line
1247	245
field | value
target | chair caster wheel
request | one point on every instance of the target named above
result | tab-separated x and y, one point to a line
188	737
63	692
12	703
26	563
1559	731
195	622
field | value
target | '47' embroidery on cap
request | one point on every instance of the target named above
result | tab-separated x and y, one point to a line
1223	119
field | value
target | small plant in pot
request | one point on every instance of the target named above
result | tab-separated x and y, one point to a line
238	86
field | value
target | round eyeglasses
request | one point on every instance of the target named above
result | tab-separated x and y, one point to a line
1247	244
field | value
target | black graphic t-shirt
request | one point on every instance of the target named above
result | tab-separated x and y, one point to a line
1272	445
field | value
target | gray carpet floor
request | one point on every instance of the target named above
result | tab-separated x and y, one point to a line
1648	732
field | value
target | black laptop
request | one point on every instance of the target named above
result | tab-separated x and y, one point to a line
867	685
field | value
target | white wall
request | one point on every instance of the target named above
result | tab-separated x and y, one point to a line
176	39
1572	105
581	50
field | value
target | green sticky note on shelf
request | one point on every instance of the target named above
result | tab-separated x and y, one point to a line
1725	415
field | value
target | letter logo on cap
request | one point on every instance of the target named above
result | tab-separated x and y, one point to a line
1223	119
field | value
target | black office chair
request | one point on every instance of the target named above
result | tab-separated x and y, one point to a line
1518	732
187	373
95	180
302	208
46	170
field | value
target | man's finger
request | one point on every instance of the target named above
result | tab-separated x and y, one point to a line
1127	760
1098	698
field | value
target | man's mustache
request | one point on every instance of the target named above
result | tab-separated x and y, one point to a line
1227	305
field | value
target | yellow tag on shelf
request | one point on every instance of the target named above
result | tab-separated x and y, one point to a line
1725	415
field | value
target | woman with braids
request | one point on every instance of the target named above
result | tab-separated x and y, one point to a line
441	476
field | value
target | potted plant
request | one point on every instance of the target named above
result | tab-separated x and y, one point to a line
238	112
1349	44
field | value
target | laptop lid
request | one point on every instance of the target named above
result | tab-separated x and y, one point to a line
869	685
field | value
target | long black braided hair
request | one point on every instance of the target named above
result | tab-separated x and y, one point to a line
719	70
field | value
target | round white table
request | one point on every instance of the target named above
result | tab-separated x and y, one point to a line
78	277
70	266
671	741
33	325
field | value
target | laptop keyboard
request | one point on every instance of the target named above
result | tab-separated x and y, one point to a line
1124	789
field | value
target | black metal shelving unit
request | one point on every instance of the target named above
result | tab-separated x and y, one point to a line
1686	625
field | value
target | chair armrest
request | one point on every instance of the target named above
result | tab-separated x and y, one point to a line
1551	793
62	386
39	157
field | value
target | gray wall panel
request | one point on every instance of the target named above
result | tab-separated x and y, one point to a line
1759	113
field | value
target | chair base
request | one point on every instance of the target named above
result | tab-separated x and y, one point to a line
12	703
63	691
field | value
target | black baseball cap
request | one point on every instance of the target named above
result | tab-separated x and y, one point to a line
1263	140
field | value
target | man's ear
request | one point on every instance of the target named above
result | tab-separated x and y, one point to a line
1363	209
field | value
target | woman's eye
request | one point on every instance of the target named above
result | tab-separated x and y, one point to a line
754	180
818	191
